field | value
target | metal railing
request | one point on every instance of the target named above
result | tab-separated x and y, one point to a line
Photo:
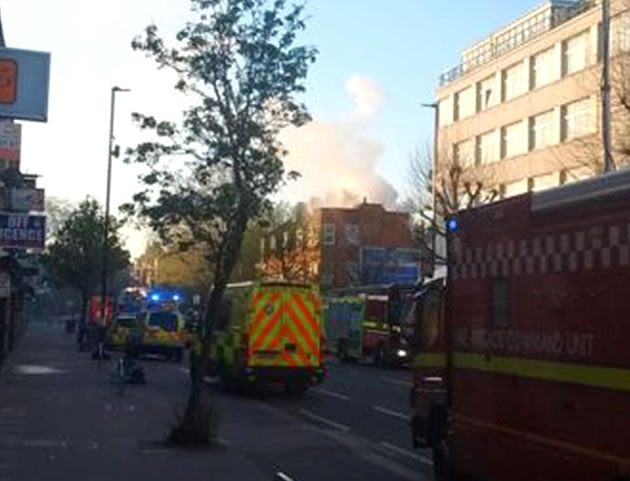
504	42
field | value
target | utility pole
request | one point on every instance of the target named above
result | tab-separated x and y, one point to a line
605	86
434	164
105	252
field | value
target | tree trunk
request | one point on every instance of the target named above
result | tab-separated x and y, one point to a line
85	297
193	414
194	397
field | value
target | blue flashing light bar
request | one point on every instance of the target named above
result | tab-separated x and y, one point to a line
451	225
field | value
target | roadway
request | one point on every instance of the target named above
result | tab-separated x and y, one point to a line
61	418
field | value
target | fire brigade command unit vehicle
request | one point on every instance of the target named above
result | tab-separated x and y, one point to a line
269	332
521	371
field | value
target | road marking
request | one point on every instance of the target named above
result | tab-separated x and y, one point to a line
326	392
40	443
390	412
206	379
407	453
280	476
328	422
397	381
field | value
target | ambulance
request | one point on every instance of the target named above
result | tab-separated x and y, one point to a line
269	332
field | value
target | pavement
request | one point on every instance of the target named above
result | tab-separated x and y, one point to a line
61	418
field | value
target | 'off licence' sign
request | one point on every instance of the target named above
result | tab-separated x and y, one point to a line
22	231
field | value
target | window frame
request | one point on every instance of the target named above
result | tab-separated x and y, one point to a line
534	129
500	287
328	234
565	116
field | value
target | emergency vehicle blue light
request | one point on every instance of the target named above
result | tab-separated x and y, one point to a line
176	297
451	225
155	297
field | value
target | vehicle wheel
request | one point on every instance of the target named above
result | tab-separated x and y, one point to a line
178	355
380	356
443	462
294	389
342	351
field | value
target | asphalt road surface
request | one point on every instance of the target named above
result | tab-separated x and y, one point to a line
61	418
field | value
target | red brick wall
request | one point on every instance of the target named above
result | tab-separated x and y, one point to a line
377	228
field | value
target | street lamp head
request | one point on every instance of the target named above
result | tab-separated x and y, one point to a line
432	105
119	89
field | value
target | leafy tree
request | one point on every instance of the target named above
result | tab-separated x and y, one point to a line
209	175
74	258
57	212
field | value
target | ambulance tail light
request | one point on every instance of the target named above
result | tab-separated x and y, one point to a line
245	347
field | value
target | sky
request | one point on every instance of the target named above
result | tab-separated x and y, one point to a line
378	61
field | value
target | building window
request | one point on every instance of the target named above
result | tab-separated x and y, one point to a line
516	188
329	235
464	153
456	107
542	68
512	140
485	151
575	53
513	82
620	33
568	176
464	103
352	233
543	182
577	119
272	243
352	272
486	93
445	111
541	130
500	308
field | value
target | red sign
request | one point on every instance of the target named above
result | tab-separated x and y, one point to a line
8	80
95	310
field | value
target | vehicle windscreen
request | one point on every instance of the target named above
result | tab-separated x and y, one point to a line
164	320
129	322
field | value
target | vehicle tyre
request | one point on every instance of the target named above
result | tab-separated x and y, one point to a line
380	356
294	389
178	355
443	462
342	351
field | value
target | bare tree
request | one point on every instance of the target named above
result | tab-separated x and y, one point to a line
296	255
458	184
584	155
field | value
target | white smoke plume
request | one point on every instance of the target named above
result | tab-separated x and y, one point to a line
336	159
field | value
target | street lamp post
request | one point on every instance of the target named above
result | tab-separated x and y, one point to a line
105	252
434	161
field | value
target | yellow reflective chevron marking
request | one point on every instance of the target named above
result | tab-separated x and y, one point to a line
589	375
429	359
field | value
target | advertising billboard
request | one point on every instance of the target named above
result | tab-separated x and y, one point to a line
24	82
22	231
25	200
382	265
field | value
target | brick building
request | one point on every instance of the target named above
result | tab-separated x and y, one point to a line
366	245
361	245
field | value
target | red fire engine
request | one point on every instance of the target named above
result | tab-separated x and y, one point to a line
521	369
